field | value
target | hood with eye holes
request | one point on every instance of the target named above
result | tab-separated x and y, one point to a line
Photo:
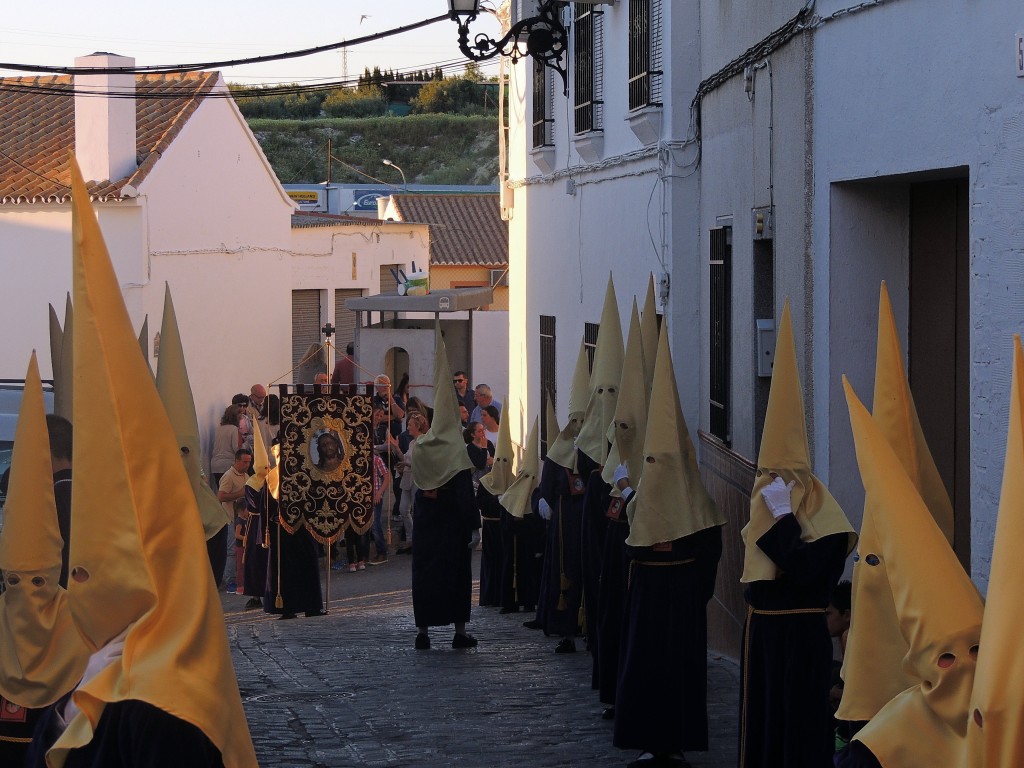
516	500
938	608
563	450
41	653
629	422
784	451
501	475
136	528
670	500
604	381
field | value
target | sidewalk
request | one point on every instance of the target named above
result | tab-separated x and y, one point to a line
349	689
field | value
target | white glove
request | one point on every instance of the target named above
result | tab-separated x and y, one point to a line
777	497
99	661
627	494
474	539
621	473
544	509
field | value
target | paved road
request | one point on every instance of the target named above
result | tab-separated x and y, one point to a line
349	689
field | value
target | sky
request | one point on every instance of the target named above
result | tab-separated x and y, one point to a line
193	31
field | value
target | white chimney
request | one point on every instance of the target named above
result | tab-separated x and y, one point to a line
105	122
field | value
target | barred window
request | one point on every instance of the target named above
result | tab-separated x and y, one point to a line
645	53
721	306
588	68
590	342
543	105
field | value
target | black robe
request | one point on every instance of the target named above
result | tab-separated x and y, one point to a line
254	555
785	716
594	523
131	734
16	726
563	583
442	564
298	557
522	553
490	531
611	599
661	697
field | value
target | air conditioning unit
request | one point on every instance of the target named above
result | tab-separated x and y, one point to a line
498	277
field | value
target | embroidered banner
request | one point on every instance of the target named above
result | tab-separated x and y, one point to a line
326	464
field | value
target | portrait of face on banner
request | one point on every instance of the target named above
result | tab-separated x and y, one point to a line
326	464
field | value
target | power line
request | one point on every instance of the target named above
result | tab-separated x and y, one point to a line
181	68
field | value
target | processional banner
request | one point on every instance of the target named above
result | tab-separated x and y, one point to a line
326	463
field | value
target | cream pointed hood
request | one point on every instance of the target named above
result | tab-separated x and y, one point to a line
670	500
501	475
260	461
604	381
176	393
552	425
784	452
516	500
42	656
629	424
649	332
62	360
875	648
137	556
441	452
563	451
995	726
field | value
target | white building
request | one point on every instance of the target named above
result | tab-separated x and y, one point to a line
185	196
774	150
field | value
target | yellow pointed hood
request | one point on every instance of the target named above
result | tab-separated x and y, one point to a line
441	452
552	425
138	547
649	332
62	360
516	500
784	452
670	500
260	461
501	475
176	394
875	648
604	381
144	336
995	727
939	611
629	423
42	656
563	451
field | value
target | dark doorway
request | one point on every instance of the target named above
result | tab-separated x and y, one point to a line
939	343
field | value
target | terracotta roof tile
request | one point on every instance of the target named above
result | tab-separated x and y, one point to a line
39	129
465	229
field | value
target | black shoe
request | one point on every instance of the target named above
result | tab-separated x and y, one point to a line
253	602
568	645
311	614
286	616
509	610
422	642
608	714
534	624
464	641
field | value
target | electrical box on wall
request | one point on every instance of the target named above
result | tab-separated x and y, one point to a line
763	223
765	347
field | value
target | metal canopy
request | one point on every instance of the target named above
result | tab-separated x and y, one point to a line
445	300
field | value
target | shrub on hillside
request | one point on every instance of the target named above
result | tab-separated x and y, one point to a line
455	95
356	102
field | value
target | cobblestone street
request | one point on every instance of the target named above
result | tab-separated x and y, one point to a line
349	689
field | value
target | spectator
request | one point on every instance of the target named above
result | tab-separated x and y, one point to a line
230	488
273	421
245	424
463	393
490	419
418	425
384	399
483	399
345	368
463	416
226	441
321	384
381	482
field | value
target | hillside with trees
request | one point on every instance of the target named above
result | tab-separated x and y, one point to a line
438	129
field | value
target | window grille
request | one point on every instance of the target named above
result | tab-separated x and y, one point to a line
543	106
721	290
588	68
590	342
645	53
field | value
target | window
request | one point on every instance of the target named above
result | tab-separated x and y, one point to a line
547	376
588	66
543	106
644	53
590	342
307	358
721	289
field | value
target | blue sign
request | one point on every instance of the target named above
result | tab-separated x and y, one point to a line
366	199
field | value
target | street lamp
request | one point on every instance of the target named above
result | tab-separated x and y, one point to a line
404	185
544	36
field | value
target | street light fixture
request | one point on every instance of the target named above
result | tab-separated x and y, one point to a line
404	185
543	36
